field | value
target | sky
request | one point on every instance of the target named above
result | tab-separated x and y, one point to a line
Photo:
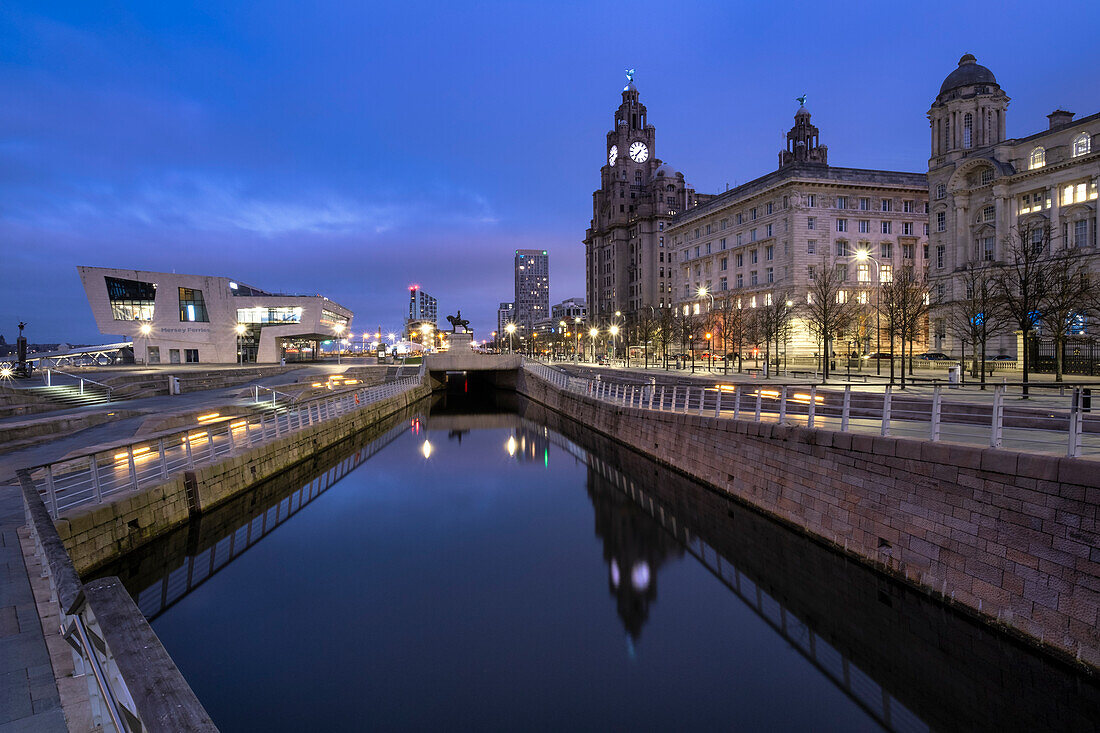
353	148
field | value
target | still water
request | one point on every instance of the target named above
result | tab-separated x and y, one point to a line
506	569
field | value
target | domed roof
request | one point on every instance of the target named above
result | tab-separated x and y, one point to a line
630	87
969	72
802	112
664	170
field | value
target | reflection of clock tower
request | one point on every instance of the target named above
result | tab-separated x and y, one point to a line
627	265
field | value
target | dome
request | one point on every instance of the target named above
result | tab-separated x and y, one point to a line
802	112
630	87
969	72
664	170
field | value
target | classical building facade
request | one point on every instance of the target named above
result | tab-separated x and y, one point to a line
174	318
986	188
764	239
626	259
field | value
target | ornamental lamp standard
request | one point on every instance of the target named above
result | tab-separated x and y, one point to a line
577	329
562	333
614	331
511	329
710	351
863	255
240	328
593	332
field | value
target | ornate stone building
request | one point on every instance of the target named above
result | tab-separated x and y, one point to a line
626	257
766	237
985	187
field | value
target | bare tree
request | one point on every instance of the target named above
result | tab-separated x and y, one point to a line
904	304
732	327
1065	296
1021	279
646	326
977	316
774	318
666	331
830	308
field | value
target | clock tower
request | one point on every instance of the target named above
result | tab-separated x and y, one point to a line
627	264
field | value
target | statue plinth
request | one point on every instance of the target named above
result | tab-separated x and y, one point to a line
460	341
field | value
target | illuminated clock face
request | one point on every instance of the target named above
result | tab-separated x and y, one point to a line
639	153
613	155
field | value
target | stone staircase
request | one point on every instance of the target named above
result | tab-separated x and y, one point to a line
69	395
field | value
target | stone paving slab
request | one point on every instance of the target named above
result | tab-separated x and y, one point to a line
29	699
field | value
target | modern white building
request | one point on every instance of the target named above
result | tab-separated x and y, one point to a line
174	318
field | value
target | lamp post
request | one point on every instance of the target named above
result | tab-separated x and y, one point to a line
710	351
511	329
614	331
577	330
146	328
240	348
562	333
339	329
593	333
863	255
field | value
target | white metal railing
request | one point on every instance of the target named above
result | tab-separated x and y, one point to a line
91	477
49	377
929	415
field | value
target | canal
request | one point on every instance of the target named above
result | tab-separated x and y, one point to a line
501	567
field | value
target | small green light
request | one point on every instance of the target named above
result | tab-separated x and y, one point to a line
546	458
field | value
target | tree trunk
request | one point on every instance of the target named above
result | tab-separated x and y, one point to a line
981	364
891	358
1058	358
1025	360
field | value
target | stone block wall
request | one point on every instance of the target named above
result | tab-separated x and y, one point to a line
97	534
1014	537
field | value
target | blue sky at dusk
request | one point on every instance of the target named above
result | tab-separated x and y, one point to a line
352	148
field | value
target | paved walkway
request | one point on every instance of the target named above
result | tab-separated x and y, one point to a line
29	700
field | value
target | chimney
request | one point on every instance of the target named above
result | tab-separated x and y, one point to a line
1059	118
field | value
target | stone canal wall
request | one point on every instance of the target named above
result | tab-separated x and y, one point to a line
97	534
1010	536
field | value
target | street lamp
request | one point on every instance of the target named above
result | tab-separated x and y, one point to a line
710	352
146	329
338	329
863	255
562	333
241	328
614	331
577	329
593	333
511	329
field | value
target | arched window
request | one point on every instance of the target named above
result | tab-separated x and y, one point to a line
1081	144
1037	159
968	129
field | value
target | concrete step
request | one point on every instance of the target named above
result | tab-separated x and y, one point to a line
70	395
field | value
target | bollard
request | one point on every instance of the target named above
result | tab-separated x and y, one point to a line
886	412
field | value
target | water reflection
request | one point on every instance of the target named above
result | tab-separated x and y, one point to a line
907	662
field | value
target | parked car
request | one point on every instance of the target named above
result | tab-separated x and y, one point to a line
1001	357
879	355
934	356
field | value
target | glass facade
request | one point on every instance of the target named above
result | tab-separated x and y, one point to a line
331	318
274	314
131	300
192	306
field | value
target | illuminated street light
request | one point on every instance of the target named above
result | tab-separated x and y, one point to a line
426	449
510	328
863	255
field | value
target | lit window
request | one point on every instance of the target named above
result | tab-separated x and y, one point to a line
1037	159
886	273
862	273
1081	144
862	297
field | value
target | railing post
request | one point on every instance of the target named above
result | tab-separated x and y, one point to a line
210	440
652	390
163	461
783	403
187	445
846	408
229	434
759	403
661	404
736	402
1073	450
255	394
95	479
702	398
886	411
278	429
51	491
49	377
813	406
672	405
718	402
996	428
934	428
82	385
248	428
132	466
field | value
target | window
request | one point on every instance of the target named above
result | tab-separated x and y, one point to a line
262	314
1081	233
887	227
864	226
864	204
752	256
708	228
752	278
722	243
329	318
696	250
842	225
886	273
987	248
842	273
770	208
811	271
842	249
811	200
752	213
192	306
941	221
926	230
769	252
660	226
1037	159
785	200
722	263
907	206
941	191
739	240
968	129
708	248
752	235
739	259
989	213
722	284
907	228
886	250
986	177
1036	201
740	219
907	251
739	281
769	275
811	222
191	356
131	300
862	273
1081	144
811	246
887	204
940	251
722	224
842	202
1076	193
768	230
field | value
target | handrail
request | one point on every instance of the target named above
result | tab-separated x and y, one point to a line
89	477
1060	428
274	394
47	378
